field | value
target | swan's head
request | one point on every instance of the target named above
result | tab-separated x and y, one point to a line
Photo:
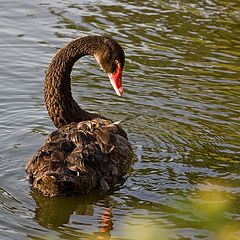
110	57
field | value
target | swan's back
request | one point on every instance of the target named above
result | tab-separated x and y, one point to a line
80	157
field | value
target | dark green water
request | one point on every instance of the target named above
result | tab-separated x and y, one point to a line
182	77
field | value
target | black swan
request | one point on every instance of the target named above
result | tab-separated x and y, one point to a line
87	151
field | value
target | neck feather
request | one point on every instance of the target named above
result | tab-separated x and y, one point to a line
61	106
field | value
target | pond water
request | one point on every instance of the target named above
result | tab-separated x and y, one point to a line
181	81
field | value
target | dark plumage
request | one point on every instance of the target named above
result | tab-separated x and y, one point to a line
87	151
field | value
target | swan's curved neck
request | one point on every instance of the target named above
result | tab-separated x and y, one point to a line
61	106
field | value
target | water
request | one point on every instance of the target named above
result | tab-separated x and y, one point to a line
181	78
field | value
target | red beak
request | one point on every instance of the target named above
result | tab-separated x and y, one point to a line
116	80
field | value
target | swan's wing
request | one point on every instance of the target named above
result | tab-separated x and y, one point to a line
79	157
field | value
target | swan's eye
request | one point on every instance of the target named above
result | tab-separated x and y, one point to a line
114	66
47	154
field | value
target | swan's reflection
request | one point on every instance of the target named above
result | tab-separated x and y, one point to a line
54	212
106	225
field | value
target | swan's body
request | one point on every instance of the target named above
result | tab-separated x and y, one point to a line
87	151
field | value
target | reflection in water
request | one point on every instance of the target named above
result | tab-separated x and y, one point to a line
53	213
106	225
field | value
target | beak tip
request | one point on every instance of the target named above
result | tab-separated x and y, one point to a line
120	92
